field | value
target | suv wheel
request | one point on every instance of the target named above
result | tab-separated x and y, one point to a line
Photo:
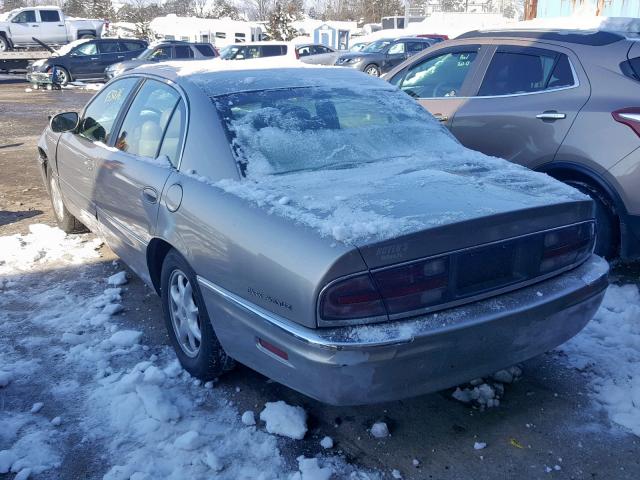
372	70
62	75
4	44
187	321
607	223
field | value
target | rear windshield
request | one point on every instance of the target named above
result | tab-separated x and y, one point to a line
311	128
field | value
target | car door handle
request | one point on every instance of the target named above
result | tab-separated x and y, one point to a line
150	194
120	56
440	117
551	115
35	26
93	58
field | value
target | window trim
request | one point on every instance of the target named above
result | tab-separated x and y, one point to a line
142	77
501	49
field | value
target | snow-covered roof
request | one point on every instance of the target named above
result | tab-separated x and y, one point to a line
621	25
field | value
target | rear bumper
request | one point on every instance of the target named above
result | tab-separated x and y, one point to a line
390	361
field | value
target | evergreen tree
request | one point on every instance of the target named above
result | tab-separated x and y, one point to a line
75	8
224	9
279	23
100	9
182	8
453	5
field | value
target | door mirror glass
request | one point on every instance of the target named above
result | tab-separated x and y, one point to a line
64	122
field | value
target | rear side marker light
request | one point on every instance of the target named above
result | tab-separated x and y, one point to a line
629	117
269	347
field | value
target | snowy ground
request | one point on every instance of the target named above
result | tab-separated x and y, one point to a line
89	389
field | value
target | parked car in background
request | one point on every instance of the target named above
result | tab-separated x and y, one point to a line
246	51
386	288
383	55
560	102
316	54
358	47
47	24
163	50
87	59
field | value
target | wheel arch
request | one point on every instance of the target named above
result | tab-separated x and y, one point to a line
156	252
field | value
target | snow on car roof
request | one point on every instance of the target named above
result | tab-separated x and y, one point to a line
219	77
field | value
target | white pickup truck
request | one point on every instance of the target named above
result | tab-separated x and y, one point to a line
19	27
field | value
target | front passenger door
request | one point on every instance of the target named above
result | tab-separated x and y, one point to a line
24	26
394	57
130	180
84	61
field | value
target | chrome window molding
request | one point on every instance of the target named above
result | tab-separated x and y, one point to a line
574	74
454	303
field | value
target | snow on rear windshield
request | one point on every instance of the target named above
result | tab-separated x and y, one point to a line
312	128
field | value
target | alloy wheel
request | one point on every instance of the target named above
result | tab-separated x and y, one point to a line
185	317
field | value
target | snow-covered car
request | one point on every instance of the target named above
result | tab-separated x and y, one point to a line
317	225
48	24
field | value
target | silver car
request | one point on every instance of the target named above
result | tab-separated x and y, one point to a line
320	227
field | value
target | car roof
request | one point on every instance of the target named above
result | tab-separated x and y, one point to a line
581	37
222	78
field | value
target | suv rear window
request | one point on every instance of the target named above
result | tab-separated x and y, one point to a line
273	50
183	51
206	50
514	73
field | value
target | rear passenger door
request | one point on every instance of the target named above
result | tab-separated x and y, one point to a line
441	80
52	27
396	54
182	52
130	180
109	54
525	104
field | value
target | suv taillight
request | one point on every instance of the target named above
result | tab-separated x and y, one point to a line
630	117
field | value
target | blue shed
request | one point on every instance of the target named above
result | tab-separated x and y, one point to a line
607	8
331	37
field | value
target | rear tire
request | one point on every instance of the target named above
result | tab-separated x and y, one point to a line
65	220
607	222
187	321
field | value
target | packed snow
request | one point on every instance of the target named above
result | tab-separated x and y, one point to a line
487	393
607	351
286	420
99	383
326	442
380	430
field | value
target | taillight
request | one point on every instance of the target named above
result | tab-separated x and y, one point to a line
355	297
630	117
567	246
413	286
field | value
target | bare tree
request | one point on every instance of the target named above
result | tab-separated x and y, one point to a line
257	9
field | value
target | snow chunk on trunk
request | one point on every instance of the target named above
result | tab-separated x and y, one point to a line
286	420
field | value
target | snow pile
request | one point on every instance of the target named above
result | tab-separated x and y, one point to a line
380	430
487	394
117	279
608	352
131	402
286	420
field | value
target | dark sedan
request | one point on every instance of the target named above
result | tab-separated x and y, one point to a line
87	59
381	56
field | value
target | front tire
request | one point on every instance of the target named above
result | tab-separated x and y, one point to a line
607	222
4	44
187	321
62	75
372	70
65	220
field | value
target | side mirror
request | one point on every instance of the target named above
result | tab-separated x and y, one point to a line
64	122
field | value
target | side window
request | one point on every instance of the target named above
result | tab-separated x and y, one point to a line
252	51
513	73
49	15
440	76
221	35
241	37
88	48
26	16
172	141
161	53
100	115
183	51
206	50
304	51
396	48
108	47
145	122
272	50
130	46
415	47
